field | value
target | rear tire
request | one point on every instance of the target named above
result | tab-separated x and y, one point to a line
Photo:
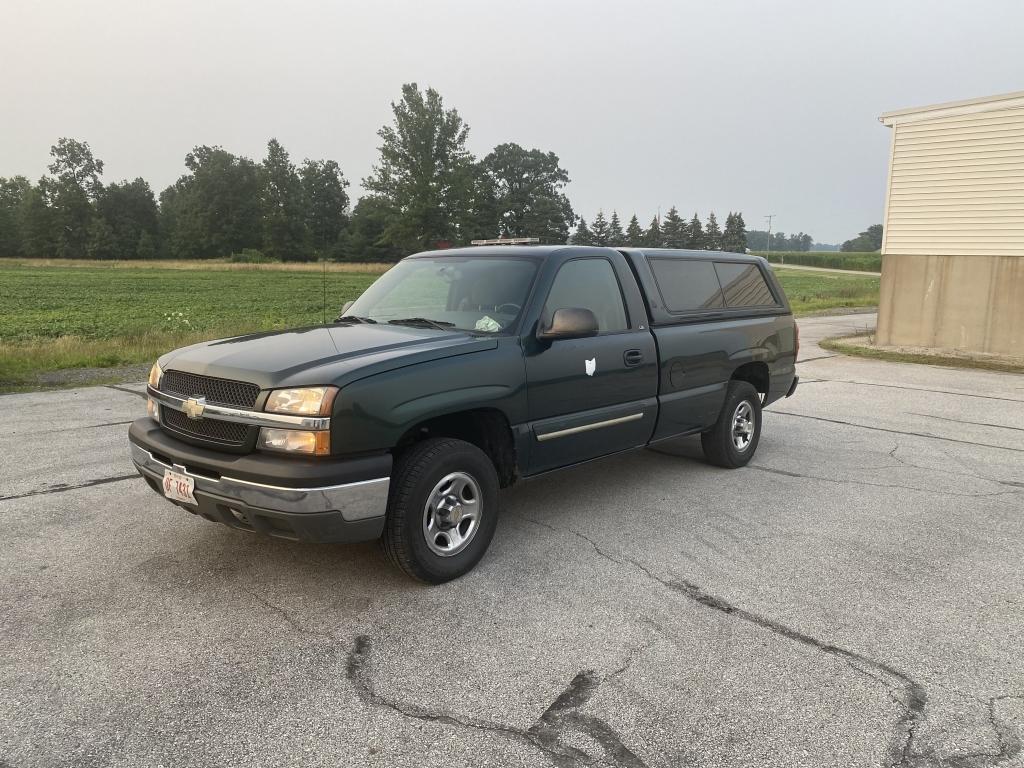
731	443
442	509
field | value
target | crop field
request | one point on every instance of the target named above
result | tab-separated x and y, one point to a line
58	316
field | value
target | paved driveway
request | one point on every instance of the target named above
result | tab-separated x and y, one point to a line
854	598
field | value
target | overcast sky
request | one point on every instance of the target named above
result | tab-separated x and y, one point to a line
763	107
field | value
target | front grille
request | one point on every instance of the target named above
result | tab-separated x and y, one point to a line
225	432
238	394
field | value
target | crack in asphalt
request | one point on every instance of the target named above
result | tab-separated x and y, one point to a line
898	431
546	734
840	481
75	429
964	421
127	391
920	389
906	692
945	472
62	487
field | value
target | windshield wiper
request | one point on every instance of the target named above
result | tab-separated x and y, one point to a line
441	325
354	319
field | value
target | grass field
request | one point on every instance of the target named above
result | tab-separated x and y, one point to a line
861	262
73	315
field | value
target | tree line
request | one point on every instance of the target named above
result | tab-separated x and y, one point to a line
671	232
426	190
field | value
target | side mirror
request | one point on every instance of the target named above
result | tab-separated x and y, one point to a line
345	308
569	323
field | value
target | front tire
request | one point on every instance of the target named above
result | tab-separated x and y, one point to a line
442	509
731	443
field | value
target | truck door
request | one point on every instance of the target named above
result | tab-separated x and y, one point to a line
589	397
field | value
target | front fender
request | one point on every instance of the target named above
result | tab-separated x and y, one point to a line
372	413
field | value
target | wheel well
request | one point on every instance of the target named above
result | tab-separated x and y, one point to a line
486	428
756	374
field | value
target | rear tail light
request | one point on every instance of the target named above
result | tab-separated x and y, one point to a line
796	336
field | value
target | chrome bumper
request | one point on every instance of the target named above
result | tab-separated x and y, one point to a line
354	501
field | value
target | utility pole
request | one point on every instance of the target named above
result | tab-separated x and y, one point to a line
769	217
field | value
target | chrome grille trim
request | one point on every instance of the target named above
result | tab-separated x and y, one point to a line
241	416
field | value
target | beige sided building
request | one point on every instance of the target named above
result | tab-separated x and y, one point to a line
953	247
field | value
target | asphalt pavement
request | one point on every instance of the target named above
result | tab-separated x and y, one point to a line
855	597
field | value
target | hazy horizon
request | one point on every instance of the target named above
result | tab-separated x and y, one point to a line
767	109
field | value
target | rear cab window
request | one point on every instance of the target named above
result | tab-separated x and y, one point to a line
743	286
689	285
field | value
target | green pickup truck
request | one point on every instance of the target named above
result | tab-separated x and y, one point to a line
459	372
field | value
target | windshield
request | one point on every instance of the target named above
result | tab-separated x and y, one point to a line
484	294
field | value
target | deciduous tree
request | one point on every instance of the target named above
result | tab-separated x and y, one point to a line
526	187
424	173
325	203
868	240
13	192
129	209
366	237
214	210
282	206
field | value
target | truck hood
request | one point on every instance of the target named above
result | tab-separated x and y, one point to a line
335	354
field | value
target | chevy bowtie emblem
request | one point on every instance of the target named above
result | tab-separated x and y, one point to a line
194	407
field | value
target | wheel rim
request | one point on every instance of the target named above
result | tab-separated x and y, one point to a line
743	426
451	516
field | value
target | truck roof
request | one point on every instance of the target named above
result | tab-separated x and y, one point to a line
544	251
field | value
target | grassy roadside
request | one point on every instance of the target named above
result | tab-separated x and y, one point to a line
59	316
861	262
860	346
816	292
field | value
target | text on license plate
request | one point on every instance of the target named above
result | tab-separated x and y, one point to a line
179	487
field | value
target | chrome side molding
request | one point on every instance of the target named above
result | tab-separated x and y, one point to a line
588	427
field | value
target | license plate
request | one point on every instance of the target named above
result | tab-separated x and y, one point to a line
179	487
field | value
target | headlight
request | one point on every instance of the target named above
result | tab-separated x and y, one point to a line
155	374
153	409
307	401
294	441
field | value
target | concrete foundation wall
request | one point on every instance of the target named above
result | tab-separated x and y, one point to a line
969	303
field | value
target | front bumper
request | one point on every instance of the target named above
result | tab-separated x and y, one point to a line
290	501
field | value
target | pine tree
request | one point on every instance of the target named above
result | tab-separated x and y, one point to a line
695	236
601	230
634	235
673	230
615	234
582	235
734	239
712	234
653	237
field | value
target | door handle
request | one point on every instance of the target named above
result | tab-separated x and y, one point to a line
632	357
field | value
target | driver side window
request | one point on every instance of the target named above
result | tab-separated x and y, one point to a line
589	284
